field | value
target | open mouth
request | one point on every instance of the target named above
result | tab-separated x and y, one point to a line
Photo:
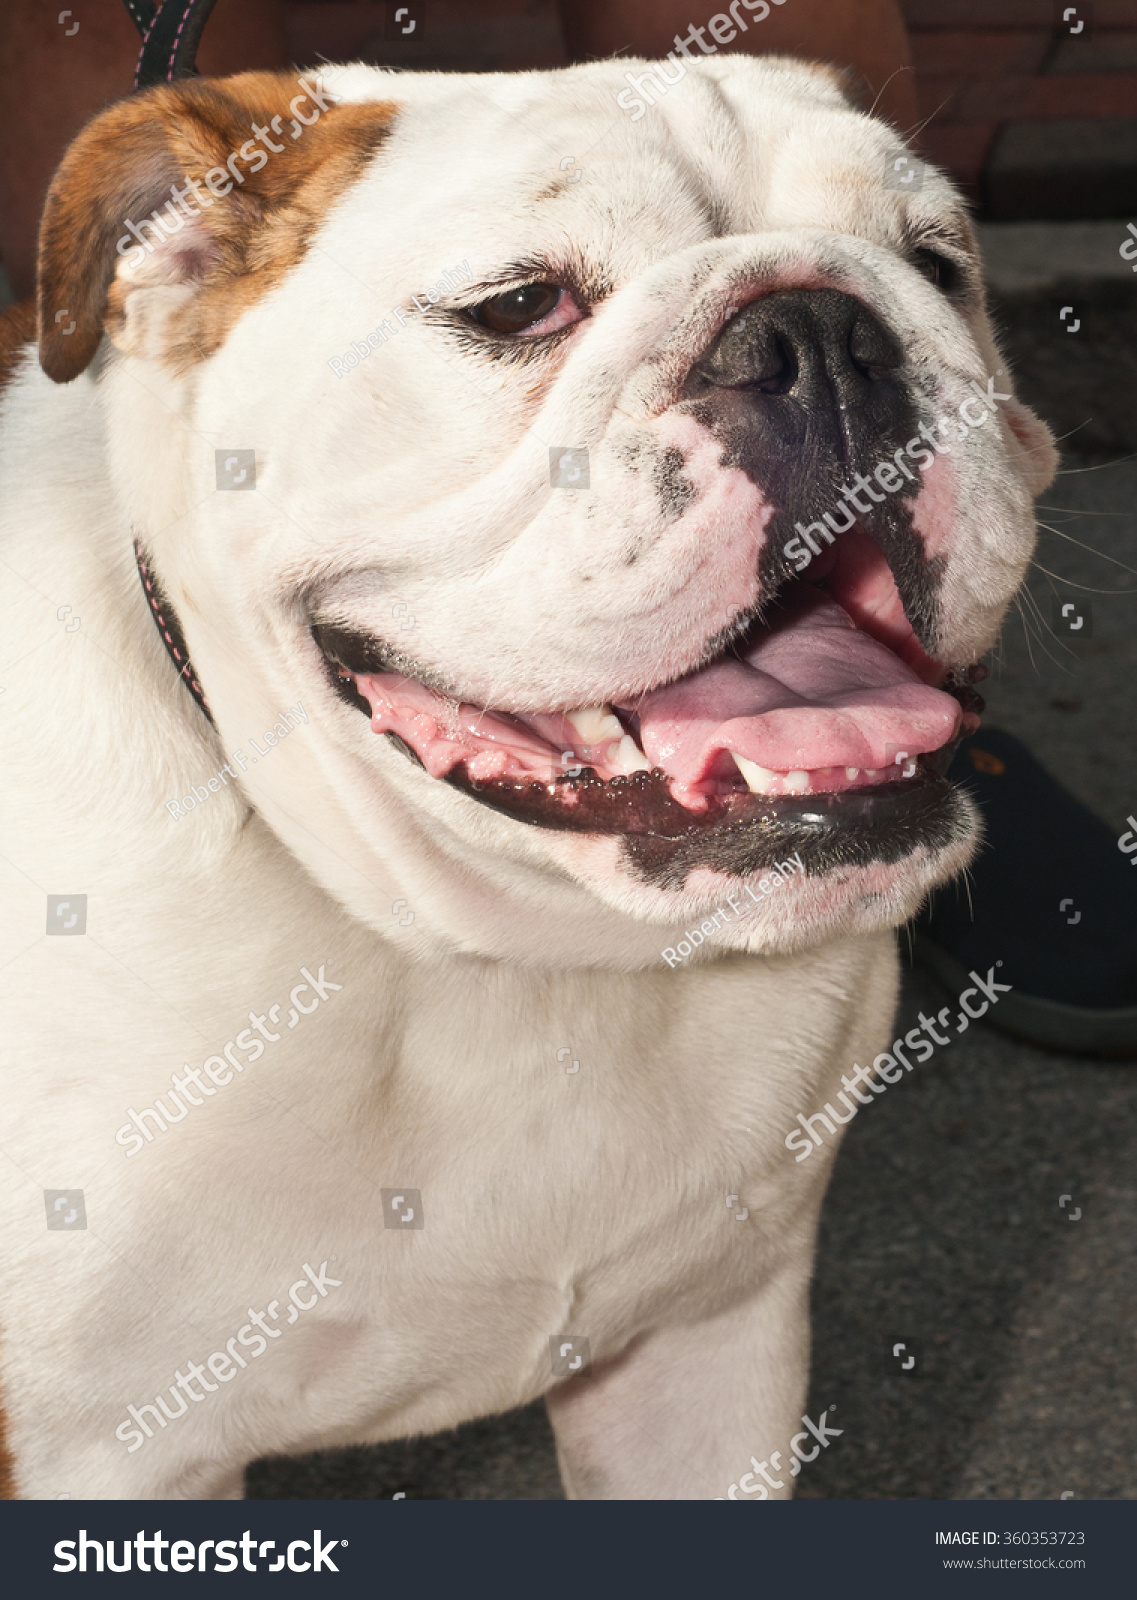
825	710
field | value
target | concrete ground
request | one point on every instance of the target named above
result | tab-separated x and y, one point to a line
943	1226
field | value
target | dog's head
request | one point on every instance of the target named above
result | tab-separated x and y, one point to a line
636	486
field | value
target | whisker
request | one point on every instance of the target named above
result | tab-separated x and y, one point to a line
1079	511
967	881
918	127
895	71
1059	437
1044	629
1071	472
1026	633
1089	547
1084	587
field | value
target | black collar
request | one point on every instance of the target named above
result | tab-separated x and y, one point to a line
169	628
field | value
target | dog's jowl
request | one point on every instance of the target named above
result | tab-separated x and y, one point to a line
631	589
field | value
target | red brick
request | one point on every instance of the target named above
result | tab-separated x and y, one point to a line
969	55
1106	94
986	14
961	149
1112	51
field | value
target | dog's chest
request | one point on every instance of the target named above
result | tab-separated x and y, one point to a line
547	1161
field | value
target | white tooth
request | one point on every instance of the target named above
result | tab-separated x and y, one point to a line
872	772
759	780
594	723
626	756
797	782
852	772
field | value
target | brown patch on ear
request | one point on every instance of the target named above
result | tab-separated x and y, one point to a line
122	168
17	331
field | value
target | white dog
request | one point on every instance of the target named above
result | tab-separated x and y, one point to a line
422	1012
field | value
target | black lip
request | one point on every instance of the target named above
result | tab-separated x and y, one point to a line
365	653
829	832
640	808
352	649
742	834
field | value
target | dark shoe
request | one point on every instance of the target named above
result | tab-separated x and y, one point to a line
1053	898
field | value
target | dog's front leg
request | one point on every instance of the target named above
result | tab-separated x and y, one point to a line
682	1413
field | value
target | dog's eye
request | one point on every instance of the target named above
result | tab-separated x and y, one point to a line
939	270
533	309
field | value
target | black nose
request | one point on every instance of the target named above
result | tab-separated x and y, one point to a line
803	369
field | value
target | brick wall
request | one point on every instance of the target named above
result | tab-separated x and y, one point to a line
1031	117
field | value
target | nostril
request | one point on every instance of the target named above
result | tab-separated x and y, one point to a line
778	373
872	350
751	353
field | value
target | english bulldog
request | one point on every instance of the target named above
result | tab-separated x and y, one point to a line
471	787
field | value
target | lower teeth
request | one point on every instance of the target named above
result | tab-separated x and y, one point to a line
765	781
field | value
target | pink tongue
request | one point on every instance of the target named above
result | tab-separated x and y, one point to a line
814	692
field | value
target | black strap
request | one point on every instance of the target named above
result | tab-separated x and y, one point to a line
171	33
169	628
141	13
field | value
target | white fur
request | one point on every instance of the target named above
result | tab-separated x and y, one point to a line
589	1201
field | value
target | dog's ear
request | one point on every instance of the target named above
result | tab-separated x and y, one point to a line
174	210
